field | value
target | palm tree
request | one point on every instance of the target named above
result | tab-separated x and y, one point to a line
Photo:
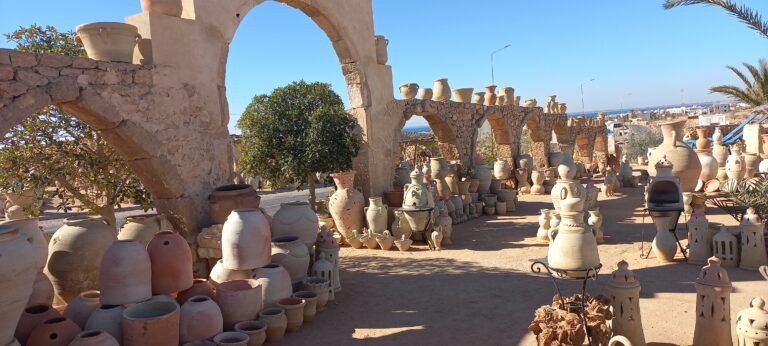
755	92
743	12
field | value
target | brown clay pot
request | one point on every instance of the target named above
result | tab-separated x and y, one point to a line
239	300
224	199
200	287
256	331
32	317
490	95
294	311
94	338
151	324
200	319
703	142
126	274
171	260
57	331
81	308
171	8
42	291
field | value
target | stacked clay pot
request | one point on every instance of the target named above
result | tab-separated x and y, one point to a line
224	199
56	331
94	338
17	261
141	228
201	319
239	300
245	240
126	274
79	310
171	260
220	274
75	253
346	204
107	318
151	324
32	317
275	283
289	252
42	291
296	219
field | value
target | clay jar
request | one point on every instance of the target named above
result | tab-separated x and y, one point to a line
409	90
30	229
381	49
441	91
220	274
573	247
256	331
57	331
200	287
319	286
239	300
296	218
502	170
75	251
276	321
439	171
201	319
231	339
226	198
106	41
81	308
94	338
462	95
751	163
42	291
346	204
245	240
171	260
107	318
32	317
166	7
141	228
294	311
485	175
490	95
126	274
703	142
275	283
708	165
17	270
310	307
686	164
376	215
292	255
151	324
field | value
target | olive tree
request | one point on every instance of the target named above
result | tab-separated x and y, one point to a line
296	131
55	151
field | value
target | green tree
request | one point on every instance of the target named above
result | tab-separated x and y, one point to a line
755	91
296	131
54	150
642	138
743	12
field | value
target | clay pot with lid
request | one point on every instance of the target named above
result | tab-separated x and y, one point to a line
239	300
17	261
276	321
107	318
256	331
294	311
226	198
171	8
171	260
200	287
275	283
32	317
201	319
295	219
56	331
81	308
94	338
686	164
29	228
245	240
151	324
75	253
108	41
141	228
126	274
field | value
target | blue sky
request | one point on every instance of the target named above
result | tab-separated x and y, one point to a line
639	54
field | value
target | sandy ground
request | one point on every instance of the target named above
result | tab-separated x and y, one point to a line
480	291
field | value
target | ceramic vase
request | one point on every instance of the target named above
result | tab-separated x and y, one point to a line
239	300
425	93
56	331
376	215
29	229
320	286
151	324
107	318
502	170
720	153
310	306
462	95
201	319
200	287
523	186
94	338
542	234
346	204
226	198
686	164
275	283
276	321
126	274
171	8
75	251
664	244
294	312
478	98
106	41
751	164
290	253
171	260
245	240
708	165
42	291
735	166
220	274
296	219
439	168
538	181
256	331
81	308
596	222
32	317
485	175
490	95
572	247
702	143
441	91
409	90
141	228
381	43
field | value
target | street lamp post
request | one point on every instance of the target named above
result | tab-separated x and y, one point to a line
493	77
582	95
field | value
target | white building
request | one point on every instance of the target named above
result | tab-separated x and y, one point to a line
719	108
706	120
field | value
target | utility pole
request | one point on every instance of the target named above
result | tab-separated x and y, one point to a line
493	77
582	95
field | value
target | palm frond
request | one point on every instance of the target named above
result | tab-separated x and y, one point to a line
737	94
741	76
743	12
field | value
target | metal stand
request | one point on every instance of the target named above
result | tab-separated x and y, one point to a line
555	274
644	255
415	234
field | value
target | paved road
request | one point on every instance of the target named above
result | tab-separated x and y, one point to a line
270	201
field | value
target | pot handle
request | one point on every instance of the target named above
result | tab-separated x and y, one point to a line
552	233
618	339
138	37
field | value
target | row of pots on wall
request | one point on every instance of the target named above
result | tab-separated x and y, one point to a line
441	91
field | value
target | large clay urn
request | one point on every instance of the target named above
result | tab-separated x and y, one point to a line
275	283
502	170
441	91
485	175
289	252
686	164
346	204
245	240
29	229
376	215
708	165
106	41
201	319
171	8
141	228
703	141
381	49
151	324
462	94
490	95
126	274
224	199
573	247
171	263
296	219
75	253
417	195
56	331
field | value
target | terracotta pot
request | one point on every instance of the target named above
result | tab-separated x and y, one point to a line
32	317
708	165
462	95
226	198
441	90
81	308
57	331
478	98
106	41
276	321
75	251
42	291
221	274
381	49
245	240
425	93
126	274
346	204
107	318
294	311
141	228
703	142
288	252
485	175
409	90
686	164
275	283
310	307
94	338
319	286
171	260
239	300
751	163
151	324
296	218
509	96
167	7
201	319
490	95
30	229
256	331
200	287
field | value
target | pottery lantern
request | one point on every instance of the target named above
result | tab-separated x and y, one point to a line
713	306
725	247
624	291
699	238
752	324
330	251
686	164
753	253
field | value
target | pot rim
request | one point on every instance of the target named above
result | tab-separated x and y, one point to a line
291	302
272	311
240	337
97	25
8	232
169	308
243	326
285	239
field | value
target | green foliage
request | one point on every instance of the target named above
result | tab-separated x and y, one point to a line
643	137
296	131
754	194
755	91
741	11
54	150
487	149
